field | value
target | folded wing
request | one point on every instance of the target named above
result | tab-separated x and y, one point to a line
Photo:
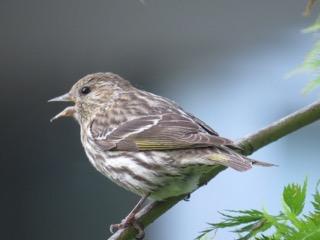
159	132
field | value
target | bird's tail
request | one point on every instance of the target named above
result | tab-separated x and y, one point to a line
262	164
229	158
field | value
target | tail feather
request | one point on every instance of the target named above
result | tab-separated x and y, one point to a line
233	160
229	158
239	163
262	164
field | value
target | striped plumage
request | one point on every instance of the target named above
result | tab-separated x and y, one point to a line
144	142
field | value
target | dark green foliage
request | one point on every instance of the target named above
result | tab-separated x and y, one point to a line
290	224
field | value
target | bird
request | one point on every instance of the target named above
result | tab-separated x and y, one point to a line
145	143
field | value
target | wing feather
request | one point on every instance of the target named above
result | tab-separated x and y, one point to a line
160	132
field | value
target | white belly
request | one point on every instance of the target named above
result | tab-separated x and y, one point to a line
161	174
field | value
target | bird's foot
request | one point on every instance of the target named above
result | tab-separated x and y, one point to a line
187	197
131	221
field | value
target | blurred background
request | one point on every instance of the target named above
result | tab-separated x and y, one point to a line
224	61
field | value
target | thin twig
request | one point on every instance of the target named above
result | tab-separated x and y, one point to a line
249	144
309	6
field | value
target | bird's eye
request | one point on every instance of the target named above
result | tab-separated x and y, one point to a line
85	90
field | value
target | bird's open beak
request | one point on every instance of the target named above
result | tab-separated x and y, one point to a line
67	112
63	98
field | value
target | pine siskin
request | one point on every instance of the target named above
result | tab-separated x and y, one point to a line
145	143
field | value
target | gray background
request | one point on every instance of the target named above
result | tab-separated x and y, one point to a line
222	60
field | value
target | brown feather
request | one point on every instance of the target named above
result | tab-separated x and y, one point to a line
160	132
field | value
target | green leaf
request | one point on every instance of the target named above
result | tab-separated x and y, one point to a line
294	197
312	85
254	229
289	215
250	222
204	235
277	223
290	224
314	27
315	216
312	60
316	199
242	217
263	237
311	64
309	231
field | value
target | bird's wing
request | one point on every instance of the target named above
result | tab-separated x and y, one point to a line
158	132
203	125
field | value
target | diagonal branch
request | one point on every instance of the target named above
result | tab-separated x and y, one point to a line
249	144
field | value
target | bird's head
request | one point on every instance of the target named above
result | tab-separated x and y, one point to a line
89	94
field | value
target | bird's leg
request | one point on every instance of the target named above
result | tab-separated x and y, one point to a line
187	197
130	219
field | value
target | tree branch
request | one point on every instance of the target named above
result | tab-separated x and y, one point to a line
279	129
249	144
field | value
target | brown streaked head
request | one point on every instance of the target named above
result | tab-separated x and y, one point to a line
89	93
